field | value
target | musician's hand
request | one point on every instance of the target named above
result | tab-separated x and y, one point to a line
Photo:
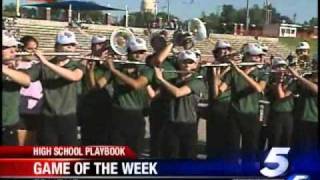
5	67
216	72
91	65
234	65
105	54
280	77
40	56
293	72
158	73
109	63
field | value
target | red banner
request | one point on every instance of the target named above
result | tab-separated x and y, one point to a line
61	161
107	152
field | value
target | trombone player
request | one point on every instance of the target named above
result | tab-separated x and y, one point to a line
281	96
94	109
12	81
247	86
129	99
219	123
59	78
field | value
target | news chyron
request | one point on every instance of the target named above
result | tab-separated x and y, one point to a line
121	161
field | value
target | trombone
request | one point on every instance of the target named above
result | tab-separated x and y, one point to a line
242	64
49	54
77	57
115	60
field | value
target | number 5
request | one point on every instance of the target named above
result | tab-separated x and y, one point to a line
275	156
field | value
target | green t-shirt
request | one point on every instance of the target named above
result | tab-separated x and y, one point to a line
285	104
160	106
185	108
99	71
125	96
244	99
307	105
10	102
60	95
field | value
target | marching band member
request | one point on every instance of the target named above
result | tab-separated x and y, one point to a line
306	138
12	81
281	90
158	107
180	132
31	97
59	78
129	99
219	123
303	48
247	85
95	107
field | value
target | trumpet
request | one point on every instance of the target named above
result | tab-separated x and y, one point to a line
49	54
242	64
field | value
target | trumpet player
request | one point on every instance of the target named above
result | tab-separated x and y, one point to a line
12	81
180	130
59	78
219	119
247	86
306	138
94	110
281	90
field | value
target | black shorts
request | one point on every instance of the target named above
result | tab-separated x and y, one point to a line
29	122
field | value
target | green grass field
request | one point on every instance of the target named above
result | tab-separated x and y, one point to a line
293	42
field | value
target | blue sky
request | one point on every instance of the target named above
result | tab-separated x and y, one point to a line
305	9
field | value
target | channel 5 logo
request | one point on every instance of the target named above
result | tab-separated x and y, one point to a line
276	163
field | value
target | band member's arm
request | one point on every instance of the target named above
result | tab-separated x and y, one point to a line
71	75
283	91
176	91
19	77
138	83
91	78
151	92
308	84
217	76
161	56
258	86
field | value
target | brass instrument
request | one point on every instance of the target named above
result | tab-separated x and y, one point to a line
119	40
92	58
242	64
77	57
49	54
196	32
303	64
178	71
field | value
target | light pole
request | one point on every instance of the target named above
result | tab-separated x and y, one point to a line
247	17
168	18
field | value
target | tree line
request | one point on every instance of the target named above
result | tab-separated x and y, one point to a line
217	22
